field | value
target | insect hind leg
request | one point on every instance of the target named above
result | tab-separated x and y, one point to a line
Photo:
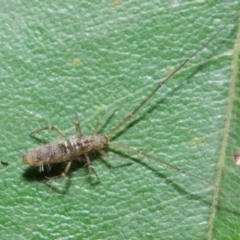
50	127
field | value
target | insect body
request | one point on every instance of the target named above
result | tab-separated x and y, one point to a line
77	146
64	150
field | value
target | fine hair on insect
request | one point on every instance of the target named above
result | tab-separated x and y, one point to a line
79	145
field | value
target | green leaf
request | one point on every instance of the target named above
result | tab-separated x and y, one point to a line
93	57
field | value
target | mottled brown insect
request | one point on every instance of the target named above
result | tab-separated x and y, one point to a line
77	146
66	150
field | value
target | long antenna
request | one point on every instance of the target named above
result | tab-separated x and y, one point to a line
131	115
117	145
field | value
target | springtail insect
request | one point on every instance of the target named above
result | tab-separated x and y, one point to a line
74	147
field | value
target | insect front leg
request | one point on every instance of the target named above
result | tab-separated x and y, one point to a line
101	119
110	157
90	167
50	127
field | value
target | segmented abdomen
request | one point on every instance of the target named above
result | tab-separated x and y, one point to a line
59	151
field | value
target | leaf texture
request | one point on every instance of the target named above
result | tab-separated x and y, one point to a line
92	57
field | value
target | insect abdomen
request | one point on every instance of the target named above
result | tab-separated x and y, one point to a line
59	151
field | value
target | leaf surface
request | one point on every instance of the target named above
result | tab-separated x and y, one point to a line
90	58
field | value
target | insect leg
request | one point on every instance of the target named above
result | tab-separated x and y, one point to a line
101	119
90	166
104	153
63	174
50	127
78	127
